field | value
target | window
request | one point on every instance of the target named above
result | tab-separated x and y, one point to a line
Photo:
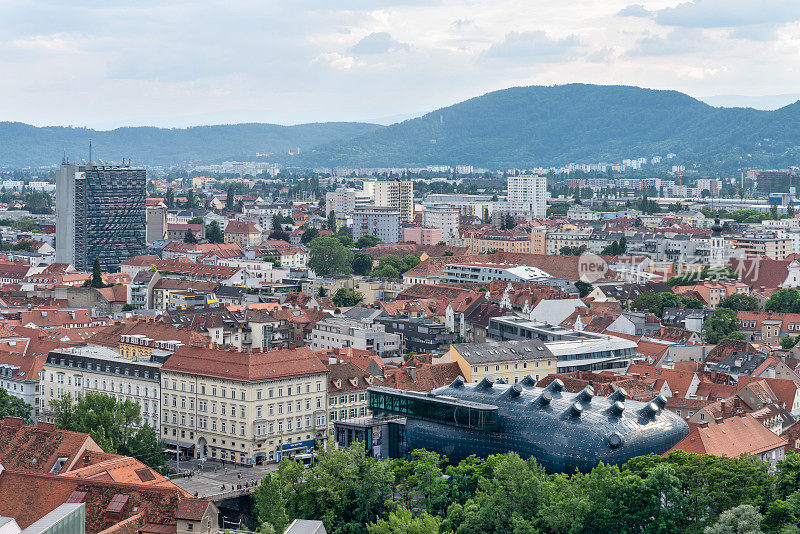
258	411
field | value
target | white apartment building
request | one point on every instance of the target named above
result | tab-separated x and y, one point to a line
244	407
344	201
528	193
395	194
382	222
339	332
443	217
78	370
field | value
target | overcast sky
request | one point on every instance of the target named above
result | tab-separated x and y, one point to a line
111	63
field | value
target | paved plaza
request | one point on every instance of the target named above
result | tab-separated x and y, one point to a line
211	477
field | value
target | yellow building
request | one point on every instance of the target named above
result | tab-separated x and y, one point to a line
488	239
245	233
510	360
244	407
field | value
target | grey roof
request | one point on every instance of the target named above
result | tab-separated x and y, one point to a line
306	526
362	314
503	351
740	363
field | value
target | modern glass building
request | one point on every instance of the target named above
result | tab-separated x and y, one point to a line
100	213
563	431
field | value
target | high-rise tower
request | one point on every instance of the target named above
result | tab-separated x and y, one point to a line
100	213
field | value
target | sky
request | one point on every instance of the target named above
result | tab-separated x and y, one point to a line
175	64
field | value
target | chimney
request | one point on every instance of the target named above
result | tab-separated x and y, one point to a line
12	422
412	372
45	427
723	405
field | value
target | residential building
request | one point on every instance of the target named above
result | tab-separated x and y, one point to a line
76	371
528	193
338	332
734	437
381	222
555	241
443	217
343	202
244	233
100	214
244	407
486	272
763	244
421	235
395	194
347	391
490	239
418	334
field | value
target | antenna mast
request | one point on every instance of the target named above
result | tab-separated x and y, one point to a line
90	151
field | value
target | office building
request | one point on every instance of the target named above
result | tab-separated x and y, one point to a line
395	194
100	214
339	332
383	223
156	223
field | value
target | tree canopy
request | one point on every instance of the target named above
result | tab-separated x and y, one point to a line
328	256
14	407
347	297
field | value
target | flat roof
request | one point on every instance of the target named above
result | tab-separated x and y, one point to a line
99	352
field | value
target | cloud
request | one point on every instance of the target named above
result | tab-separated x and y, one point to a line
461	23
757	32
676	42
377	43
635	10
728	13
338	61
535	46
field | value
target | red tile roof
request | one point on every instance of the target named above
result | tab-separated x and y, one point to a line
244	366
731	437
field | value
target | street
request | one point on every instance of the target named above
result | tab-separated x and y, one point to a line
207	478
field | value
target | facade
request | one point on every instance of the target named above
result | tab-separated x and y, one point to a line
486	272
156	223
489	239
528	193
79	370
339	332
244	407
776	248
422	235
343	202
347	391
395	194
244	233
443	217
555	241
383	223
100	214
511	361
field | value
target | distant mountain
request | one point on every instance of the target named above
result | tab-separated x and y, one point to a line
743	101
554	125
23	145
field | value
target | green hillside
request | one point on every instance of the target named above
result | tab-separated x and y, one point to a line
24	145
529	126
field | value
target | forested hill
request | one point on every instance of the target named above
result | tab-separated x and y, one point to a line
555	125
24	145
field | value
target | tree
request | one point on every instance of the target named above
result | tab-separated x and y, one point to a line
739	302
276	262
362	263
773	212
789	342
402	521
327	256
652	302
611	249
744	519
722	324
229	198
112	424
269	504
169	198
309	235
786	300
279	235
189	237
691	303
14	407
332	221
584	288
129	307
213	233
790	210
97	275
572	251
509	222
345	298
367	241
